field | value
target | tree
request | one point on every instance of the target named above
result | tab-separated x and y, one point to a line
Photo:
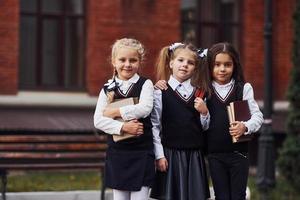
289	155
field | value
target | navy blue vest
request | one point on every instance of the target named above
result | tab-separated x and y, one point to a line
218	137
143	142
181	126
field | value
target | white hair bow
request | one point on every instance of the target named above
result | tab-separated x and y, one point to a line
202	52
175	45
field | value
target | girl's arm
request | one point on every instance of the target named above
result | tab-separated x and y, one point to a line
256	120
156	124
205	120
143	108
200	106
106	124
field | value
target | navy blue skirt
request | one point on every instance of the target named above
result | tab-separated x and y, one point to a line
129	170
186	178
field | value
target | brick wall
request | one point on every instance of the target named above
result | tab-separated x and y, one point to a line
282	46
9	44
253	45
155	23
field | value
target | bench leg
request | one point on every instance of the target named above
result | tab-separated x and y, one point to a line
103	185
3	184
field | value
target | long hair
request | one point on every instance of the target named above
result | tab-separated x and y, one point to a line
225	47
200	77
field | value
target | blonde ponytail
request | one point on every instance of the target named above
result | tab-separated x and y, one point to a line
163	70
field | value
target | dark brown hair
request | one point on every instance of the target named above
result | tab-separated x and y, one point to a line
225	47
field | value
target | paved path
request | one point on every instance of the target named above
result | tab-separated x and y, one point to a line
71	195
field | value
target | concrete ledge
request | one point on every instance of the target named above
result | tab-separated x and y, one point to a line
65	195
74	195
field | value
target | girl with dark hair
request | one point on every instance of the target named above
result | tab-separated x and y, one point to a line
228	161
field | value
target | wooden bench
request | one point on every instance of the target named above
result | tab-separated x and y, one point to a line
51	151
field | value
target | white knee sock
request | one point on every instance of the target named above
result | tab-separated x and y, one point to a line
121	195
143	194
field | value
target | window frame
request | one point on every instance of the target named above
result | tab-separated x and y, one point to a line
60	17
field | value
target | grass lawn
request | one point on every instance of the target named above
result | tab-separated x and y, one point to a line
53	181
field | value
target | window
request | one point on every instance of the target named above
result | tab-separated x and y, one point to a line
207	22
52	43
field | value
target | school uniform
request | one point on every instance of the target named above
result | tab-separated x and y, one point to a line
228	162
178	136
129	163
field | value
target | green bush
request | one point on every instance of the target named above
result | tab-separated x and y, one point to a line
289	160
289	155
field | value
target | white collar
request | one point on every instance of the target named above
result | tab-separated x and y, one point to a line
224	86
133	79
174	83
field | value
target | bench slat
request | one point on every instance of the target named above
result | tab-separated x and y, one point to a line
51	138
46	155
53	147
52	166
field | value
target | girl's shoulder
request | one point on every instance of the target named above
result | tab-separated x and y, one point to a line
146	80
243	85
248	86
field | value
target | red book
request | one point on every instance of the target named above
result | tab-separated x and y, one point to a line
199	93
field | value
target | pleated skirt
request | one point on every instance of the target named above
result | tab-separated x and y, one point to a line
185	179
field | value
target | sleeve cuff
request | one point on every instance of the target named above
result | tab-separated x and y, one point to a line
123	113
159	152
204	117
247	129
118	128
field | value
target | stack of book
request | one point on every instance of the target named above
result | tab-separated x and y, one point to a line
239	111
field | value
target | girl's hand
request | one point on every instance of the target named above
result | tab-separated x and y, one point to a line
200	106
133	127
237	129
111	112
162	164
161	85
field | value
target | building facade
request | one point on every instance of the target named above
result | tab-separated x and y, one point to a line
55	53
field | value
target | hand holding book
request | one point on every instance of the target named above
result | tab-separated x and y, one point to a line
199	102
236	130
238	111
131	128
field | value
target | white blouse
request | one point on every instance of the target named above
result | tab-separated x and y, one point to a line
137	111
256	120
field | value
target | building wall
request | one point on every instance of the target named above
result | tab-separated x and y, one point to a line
253	45
9	46
155	23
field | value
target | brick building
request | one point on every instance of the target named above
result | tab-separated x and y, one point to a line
55	53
